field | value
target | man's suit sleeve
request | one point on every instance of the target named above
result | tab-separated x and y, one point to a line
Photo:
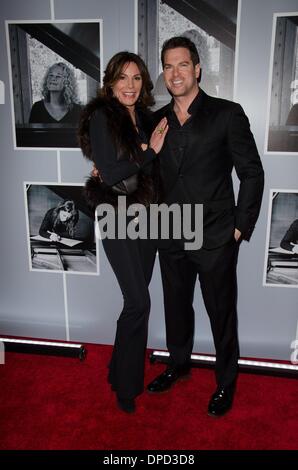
249	170
104	153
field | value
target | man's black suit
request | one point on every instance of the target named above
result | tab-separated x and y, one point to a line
196	165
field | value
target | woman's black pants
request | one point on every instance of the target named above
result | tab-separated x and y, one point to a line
132	262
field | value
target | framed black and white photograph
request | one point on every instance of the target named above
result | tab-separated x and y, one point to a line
55	69
212	26
281	260
60	229
282	112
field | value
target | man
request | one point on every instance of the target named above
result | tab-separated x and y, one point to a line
207	137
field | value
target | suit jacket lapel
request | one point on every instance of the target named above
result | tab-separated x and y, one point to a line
168	159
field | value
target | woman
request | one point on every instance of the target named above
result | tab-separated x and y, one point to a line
117	143
60	221
59	103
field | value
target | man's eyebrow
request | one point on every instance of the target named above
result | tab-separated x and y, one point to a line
182	62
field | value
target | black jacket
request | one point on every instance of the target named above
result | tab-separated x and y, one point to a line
222	140
105	154
103	124
47	226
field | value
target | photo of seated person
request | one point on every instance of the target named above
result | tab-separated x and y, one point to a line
290	239
60	100
282	260
60	221
60	231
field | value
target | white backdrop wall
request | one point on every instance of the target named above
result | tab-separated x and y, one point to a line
85	308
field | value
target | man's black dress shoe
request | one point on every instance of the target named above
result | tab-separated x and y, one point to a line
221	401
126	404
165	380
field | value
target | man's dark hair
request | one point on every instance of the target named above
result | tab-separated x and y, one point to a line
181	41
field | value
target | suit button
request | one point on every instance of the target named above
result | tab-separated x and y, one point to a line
180	175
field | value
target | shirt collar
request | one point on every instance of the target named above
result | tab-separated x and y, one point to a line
194	105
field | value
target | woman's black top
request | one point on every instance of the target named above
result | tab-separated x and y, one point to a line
47	226
105	154
40	115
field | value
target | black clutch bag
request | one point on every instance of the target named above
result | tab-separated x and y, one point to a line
127	186
97	192
138	188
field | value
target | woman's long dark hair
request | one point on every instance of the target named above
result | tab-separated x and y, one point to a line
119	121
68	206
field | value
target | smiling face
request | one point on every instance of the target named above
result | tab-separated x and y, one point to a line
129	85
180	74
55	79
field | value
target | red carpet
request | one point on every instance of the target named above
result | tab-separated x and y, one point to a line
62	403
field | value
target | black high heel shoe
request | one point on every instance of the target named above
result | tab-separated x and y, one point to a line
126	404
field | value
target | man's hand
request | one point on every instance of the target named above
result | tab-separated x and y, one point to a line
295	249
237	234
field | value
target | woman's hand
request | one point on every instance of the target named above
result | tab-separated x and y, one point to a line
158	135
54	237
